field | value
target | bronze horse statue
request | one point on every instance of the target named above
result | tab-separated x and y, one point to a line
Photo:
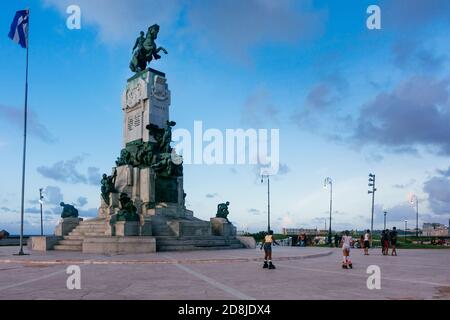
145	49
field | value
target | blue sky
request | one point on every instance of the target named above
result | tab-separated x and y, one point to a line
347	101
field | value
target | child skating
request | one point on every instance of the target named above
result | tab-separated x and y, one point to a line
346	244
267	245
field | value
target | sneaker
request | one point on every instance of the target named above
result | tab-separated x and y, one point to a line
271	266
350	266
344	266
265	266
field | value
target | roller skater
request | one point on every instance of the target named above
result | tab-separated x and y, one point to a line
267	245
346	244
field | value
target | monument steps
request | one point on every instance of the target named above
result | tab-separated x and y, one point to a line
180	247
88	228
196	243
71	242
161	228
62	247
85	230
92	227
74	237
87	234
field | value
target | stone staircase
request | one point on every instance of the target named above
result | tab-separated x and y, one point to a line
168	243
165	239
88	228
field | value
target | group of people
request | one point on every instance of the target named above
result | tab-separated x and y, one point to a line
389	237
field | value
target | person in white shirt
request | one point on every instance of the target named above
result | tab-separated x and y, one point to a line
367	240
346	241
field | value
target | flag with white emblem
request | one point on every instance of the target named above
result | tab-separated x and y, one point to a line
19	28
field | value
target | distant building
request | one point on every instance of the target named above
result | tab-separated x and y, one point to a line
434	230
297	231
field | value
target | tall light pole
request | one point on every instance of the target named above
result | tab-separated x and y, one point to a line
372	184
329	181
41	198
406	227
268	199
385	213
415	200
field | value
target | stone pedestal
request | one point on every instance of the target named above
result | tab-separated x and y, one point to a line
66	225
126	228
124	180
146	100
146	227
106	210
169	210
43	243
247	242
221	227
187	228
147	185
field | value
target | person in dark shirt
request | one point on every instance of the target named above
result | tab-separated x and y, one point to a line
385	242
337	240
393	236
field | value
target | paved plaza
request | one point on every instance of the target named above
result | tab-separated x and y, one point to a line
302	273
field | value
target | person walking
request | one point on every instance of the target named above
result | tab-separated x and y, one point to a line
385	242
393	236
367	240
337	240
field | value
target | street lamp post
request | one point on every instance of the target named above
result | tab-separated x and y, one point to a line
406	227
41	197
415	199
385	220
268	199
372	184
329	181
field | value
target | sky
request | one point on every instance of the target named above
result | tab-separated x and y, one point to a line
347	101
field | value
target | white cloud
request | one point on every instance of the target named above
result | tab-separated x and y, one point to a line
232	27
119	20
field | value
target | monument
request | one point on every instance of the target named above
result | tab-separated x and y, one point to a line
142	202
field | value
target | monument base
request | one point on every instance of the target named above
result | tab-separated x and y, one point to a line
163	225
119	245
155	233
247	242
222	227
126	228
66	225
43	243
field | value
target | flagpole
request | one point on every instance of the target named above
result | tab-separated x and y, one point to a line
21	253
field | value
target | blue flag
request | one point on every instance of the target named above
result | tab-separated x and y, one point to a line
19	28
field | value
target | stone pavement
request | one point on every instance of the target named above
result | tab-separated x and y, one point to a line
302	273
